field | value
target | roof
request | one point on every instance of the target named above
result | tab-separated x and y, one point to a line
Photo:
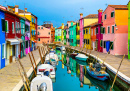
91	25
91	16
65	27
22	11
59	27
119	6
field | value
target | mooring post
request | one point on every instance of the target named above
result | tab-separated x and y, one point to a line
117	73
34	60
40	55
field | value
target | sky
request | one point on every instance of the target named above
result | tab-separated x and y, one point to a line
61	11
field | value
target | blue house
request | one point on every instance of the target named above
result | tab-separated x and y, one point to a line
2	39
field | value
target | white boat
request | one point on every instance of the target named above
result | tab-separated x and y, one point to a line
81	57
52	51
62	48
46	69
41	83
51	56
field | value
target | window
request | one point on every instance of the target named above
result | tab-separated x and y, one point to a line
23	29
84	31
92	32
108	30
104	46
112	29
88	41
111	45
38	27
97	30
41	27
84	41
3	24
12	27
32	19
49	33
103	30
112	14
3	51
101	43
38	33
13	50
38	39
6	27
26	44
105	17
72	40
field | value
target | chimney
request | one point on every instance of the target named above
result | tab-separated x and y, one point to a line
16	9
25	9
100	16
81	15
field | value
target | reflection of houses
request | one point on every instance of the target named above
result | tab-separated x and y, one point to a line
44	35
2	38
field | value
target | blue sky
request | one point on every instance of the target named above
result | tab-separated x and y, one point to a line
55	10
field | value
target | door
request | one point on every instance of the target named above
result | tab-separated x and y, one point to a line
0	55
93	46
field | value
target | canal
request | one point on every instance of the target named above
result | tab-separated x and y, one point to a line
71	75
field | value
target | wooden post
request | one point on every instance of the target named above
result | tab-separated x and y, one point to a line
34	60
25	75
40	56
22	79
117	73
32	63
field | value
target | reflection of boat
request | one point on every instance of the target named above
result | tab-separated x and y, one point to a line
62	48
62	52
46	69
51	56
58	48
102	85
41	83
81	62
81	57
100	75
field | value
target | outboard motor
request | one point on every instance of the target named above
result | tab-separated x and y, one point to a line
43	87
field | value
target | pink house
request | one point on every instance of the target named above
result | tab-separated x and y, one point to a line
44	35
67	32
115	29
81	30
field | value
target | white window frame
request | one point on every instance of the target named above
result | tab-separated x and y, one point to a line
13	30
4	50
114	28
107	30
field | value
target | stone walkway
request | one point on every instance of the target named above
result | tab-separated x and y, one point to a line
10	77
112	60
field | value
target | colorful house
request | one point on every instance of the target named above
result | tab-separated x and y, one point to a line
27	36
129	30
44	35
88	20
62	34
72	35
68	32
2	38
33	26
13	36
115	26
78	33
93	36
99	32
65	34
58	32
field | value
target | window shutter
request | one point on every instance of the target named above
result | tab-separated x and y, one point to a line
3	24
6	26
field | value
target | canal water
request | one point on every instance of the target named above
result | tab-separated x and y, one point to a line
71	75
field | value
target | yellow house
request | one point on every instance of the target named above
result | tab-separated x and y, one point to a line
62	34
78	33
33	26
88	20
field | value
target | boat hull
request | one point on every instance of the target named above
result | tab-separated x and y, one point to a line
82	59
101	77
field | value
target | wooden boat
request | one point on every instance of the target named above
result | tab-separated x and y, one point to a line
73	55
81	57
46	69
41	83
100	75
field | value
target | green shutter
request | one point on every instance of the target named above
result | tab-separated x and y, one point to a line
101	30
6	26
3	51
111	45
3	24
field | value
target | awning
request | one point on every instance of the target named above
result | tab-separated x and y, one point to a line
13	41
20	40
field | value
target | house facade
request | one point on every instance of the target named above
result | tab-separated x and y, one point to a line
78	33
44	35
129	30
58	32
115	24
62	34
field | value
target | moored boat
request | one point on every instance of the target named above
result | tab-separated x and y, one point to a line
73	54
81	57
46	69
62	48
96	73
41	83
